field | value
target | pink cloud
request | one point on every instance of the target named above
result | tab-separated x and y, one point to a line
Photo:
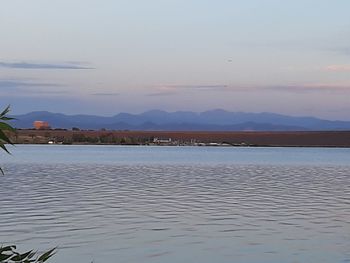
338	68
165	90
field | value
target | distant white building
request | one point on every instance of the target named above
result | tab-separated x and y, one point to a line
161	141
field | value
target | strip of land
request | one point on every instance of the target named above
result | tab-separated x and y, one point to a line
249	138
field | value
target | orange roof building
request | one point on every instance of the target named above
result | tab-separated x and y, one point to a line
41	125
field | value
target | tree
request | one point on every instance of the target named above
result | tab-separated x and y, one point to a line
8	254
4	126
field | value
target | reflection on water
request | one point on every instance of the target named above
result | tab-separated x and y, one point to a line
178	213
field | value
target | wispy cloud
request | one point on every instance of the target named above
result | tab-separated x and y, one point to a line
35	65
160	94
193	87
340	50
47	92
171	90
319	87
106	94
8	83
24	87
338	68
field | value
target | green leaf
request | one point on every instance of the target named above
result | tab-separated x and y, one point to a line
4	148
4	257
18	257
25	255
7	248
7	118
5	126
4	137
5	111
9	254
47	255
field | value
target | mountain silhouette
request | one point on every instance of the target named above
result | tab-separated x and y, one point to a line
213	120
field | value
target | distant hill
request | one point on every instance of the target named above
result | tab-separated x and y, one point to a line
214	120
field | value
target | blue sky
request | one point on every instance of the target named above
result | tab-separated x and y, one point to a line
104	57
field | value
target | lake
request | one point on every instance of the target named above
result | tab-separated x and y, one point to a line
177	204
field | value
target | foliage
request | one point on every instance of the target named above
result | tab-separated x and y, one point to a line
3	128
8	254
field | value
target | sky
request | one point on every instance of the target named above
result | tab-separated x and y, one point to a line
103	57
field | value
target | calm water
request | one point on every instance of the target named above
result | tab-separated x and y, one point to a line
178	204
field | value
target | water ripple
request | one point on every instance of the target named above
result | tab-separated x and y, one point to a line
177	213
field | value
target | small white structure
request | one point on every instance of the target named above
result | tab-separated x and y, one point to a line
161	141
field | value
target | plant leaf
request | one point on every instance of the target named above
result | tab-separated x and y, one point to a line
5	126
7	248
5	111
4	137
4	148
46	255
4	257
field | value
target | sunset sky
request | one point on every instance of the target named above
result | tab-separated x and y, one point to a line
108	56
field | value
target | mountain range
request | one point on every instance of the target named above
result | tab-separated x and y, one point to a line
213	120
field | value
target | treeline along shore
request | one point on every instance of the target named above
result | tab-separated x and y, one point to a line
243	138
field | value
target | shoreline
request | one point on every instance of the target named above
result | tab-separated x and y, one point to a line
329	139
219	146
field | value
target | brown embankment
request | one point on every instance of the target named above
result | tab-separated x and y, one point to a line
307	139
